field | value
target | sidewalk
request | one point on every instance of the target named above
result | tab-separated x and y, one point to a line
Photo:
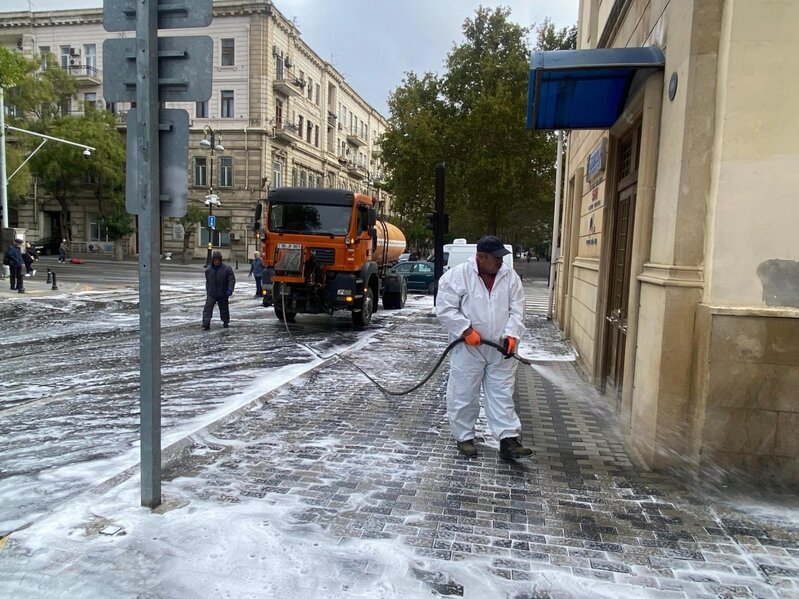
326	488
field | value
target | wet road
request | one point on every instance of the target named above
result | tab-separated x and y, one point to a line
69	411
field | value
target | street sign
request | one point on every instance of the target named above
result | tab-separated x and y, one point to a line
120	15
184	69
173	135
211	221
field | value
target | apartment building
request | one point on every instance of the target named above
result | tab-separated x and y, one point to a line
678	265
282	115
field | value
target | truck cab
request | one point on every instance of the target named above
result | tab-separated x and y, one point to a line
329	252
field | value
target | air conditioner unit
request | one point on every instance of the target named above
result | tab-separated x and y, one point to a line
233	236
72	62
288	63
74	51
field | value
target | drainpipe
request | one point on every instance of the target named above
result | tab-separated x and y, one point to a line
555	226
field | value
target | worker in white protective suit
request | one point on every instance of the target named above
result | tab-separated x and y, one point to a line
483	299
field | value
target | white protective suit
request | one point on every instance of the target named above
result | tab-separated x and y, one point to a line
463	301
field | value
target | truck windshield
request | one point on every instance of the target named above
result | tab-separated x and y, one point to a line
310	218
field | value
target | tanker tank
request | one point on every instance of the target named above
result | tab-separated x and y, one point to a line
390	252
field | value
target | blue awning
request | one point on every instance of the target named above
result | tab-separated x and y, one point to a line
586	89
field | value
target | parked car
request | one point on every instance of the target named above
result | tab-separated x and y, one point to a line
418	274
404	257
47	246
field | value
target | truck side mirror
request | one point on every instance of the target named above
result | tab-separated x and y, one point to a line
373	235
372	217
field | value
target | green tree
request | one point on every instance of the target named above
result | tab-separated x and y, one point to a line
14	68
66	173
195	214
44	89
500	175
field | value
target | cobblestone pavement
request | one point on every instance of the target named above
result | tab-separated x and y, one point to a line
578	516
357	474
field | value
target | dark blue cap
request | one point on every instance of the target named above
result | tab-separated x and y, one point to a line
492	245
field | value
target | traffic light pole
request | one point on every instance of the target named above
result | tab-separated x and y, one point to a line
148	190
438	266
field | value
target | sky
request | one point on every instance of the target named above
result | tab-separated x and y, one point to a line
373	43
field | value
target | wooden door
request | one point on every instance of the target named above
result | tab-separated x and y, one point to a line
622	236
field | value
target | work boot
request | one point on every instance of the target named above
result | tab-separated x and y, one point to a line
511	449
225	325
467	448
20	291
206	327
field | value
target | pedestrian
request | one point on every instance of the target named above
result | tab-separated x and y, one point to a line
14	256
219	284
483	298
28	257
62	251
257	271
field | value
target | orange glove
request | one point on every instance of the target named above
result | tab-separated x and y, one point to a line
509	345
471	337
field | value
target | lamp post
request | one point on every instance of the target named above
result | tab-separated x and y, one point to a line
211	199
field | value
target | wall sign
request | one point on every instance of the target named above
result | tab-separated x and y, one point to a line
596	160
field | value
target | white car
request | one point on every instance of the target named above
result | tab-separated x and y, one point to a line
404	257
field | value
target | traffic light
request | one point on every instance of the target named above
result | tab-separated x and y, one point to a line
432	221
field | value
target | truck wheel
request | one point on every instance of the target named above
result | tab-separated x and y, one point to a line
364	317
290	316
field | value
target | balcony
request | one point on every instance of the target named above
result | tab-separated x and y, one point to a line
355	139
85	75
377	151
343	159
287	132
331	119
288	86
356	170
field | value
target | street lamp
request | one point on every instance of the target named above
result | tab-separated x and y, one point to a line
211	199
87	152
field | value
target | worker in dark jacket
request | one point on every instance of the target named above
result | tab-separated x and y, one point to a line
14	253
219	284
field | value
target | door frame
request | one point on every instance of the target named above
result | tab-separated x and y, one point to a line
614	184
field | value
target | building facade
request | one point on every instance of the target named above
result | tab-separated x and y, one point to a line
282	114
678	267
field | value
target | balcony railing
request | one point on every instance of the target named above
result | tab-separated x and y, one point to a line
85	73
355	139
286	131
288	86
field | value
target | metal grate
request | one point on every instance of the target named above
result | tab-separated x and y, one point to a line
625	157
324	256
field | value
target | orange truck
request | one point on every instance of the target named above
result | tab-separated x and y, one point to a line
328	251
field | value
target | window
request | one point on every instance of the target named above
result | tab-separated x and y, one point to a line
66	106
310	89
301	122
64	57
97	229
218	238
309	132
303	179
277	174
279	113
228	52
227	104
316	136
316	96
90	97
225	171
90	58
279	66
200	171
44	51
111	107
201	110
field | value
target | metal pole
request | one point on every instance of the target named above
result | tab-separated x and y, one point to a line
148	188
3	181
555	228
438	234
